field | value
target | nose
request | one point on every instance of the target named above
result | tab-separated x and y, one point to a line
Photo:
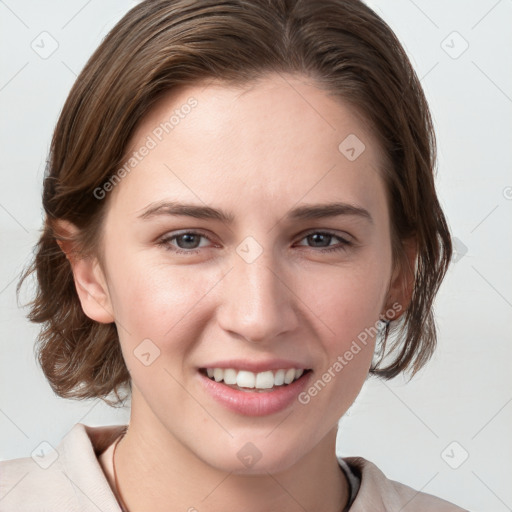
257	300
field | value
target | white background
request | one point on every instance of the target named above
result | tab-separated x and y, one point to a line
463	396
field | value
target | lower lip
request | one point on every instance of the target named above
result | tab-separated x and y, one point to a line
255	403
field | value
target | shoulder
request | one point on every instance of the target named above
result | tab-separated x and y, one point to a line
35	483
66	478
378	493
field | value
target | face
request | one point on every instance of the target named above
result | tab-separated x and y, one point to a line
277	282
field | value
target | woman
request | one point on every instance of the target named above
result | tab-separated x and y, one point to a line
239	202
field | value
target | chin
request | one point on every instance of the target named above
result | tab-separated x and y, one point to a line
252	458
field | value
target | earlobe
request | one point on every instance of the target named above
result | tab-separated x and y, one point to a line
89	278
402	282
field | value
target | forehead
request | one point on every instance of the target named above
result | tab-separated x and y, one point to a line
280	139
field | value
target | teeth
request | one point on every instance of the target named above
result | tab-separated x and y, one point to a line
265	380
279	377
262	380
246	379
289	376
230	376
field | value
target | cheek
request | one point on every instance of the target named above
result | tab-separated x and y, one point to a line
347	304
160	315
156	300
347	298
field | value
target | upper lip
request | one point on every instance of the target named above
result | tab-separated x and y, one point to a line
257	366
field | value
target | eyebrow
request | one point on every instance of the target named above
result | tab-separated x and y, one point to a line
306	212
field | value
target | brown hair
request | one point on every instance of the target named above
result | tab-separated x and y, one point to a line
160	45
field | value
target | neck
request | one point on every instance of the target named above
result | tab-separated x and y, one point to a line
154	469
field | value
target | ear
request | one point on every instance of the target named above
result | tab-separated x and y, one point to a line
401	285
90	281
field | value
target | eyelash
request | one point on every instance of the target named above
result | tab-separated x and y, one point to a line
165	242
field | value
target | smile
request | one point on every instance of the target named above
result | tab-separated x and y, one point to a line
254	393
243	379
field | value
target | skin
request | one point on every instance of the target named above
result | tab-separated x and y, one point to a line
257	152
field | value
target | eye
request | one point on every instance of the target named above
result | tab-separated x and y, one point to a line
323	238
188	242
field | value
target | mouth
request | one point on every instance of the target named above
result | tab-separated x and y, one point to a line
261	382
